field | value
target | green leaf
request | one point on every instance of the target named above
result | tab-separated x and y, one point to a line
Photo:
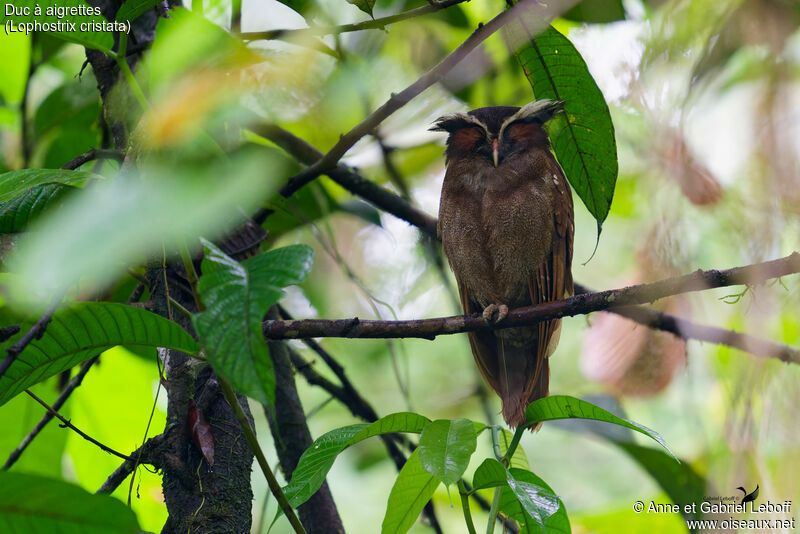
237	296
16	183
413	488
317	460
445	448
81	330
582	136
37	505
99	40
18	213
98	233
596	11
364	5
489	474
533	504
133	9
519	459
566	407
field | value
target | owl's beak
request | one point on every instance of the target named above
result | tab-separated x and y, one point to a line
495	151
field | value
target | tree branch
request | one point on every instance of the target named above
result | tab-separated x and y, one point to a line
36	332
93	154
146	454
378	23
396	101
59	402
685	329
612	299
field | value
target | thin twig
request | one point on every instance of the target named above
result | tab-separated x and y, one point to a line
93	154
396	101
67	424
59	402
379	23
577	305
36	332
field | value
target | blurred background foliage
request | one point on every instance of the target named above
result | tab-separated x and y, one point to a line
706	108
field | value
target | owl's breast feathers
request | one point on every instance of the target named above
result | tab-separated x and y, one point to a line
507	233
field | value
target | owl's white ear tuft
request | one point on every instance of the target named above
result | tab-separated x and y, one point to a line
539	111
455	121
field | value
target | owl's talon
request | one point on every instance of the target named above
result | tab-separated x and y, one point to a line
494	313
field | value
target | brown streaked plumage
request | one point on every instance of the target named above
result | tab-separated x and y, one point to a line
506	223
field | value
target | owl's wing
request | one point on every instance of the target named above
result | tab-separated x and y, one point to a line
552	280
483	343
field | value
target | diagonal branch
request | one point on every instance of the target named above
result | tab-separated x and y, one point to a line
67	424
379	23
396	101
349	179
613	299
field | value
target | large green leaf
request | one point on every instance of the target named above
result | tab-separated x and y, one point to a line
317	460
565	407
533	504
582	136
445	448
18	213
78	332
99	40
413	488
16	183
237	296
33	504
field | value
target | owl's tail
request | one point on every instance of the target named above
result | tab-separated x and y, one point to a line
523	373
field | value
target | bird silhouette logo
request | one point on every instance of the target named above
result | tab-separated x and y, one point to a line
748	497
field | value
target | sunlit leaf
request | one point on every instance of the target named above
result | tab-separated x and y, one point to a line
445	448
37	505
317	460
82	330
237	296
413	488
582	136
